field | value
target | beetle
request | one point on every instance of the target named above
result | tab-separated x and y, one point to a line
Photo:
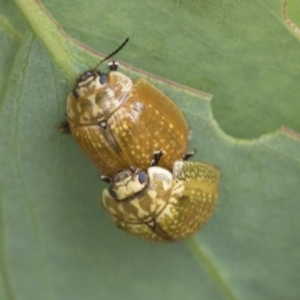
119	123
162	206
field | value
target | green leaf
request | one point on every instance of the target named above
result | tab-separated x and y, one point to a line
56	242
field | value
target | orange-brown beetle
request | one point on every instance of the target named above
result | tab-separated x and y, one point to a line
160	206
119	123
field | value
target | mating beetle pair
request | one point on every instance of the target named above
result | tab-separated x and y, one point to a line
120	125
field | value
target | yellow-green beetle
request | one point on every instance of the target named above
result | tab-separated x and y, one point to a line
119	123
160	206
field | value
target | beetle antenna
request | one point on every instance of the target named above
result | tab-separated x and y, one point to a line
112	54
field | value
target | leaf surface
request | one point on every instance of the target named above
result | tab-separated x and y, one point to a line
56	242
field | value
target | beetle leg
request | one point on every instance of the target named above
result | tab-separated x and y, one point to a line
189	155
105	178
113	65
156	157
64	127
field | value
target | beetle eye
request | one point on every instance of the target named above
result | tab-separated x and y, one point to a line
103	78
112	192
142	176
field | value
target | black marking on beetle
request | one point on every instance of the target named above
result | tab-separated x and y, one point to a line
112	192
75	93
158	230
84	76
109	137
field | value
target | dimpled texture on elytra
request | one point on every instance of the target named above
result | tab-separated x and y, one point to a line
171	207
121	124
